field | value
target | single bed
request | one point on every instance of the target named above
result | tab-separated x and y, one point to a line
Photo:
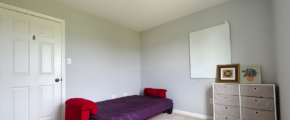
133	107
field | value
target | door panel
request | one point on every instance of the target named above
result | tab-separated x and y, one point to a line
21	26
46	97
20	57
30	61
47	32
46	58
21	103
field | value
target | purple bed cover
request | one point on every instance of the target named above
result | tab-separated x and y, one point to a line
131	108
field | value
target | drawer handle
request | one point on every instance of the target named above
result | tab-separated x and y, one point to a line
257	112
225	97
255	88
226	118
256	100
226	107
225	86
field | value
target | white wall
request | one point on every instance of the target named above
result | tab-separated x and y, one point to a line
105	56
165	50
282	37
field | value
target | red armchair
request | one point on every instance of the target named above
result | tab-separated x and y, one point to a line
79	109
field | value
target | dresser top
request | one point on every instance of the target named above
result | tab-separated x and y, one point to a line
242	84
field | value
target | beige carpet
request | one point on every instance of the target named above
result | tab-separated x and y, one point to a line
173	116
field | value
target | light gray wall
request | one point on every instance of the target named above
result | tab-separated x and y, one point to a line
105	56
165	50
282	37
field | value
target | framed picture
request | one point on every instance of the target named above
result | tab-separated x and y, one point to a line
228	73
251	74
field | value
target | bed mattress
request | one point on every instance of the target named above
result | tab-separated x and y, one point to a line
131	108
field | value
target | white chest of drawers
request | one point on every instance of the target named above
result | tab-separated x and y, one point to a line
244	101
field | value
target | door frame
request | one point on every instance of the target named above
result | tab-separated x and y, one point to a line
63	61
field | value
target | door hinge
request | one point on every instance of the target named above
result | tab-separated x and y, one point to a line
60	79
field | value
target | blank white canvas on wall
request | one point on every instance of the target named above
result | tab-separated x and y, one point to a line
208	48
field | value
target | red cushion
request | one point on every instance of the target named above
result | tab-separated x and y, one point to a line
156	92
145	93
79	109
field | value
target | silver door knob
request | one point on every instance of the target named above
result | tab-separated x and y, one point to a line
57	80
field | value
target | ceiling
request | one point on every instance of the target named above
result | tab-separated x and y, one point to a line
140	15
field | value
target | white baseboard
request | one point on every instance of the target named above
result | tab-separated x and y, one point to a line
192	114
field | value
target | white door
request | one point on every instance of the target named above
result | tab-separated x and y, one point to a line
30	63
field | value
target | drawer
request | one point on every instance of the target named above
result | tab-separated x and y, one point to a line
251	114
227	110
226	89
226	100
257	91
258	103
224	117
